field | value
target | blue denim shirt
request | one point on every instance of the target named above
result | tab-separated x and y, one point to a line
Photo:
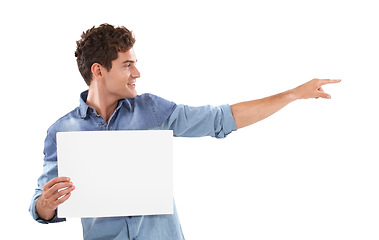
144	112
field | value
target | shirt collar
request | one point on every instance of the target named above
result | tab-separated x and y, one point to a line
83	107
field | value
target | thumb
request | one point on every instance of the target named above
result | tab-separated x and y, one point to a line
324	95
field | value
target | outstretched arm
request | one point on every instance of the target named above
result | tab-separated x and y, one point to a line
247	113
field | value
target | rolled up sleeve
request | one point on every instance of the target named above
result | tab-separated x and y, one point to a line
186	121
50	171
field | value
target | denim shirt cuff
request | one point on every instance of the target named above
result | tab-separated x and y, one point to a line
229	123
34	214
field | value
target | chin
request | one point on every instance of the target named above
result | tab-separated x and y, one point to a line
132	95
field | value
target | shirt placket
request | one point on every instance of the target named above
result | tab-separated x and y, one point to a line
130	222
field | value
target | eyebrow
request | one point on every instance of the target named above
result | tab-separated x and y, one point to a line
129	61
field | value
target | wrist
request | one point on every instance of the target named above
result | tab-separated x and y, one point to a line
292	94
42	212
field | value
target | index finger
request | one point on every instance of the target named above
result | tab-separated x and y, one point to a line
327	81
54	181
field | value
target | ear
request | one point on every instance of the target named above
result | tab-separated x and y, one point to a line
96	70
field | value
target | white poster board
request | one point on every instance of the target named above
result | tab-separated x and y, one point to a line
117	173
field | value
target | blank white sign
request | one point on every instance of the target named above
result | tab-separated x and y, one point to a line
117	173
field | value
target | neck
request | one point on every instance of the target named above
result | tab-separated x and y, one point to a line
101	101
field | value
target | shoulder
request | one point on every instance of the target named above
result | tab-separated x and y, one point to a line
152	107
152	98
68	122
149	100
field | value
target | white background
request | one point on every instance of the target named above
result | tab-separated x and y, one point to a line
308	172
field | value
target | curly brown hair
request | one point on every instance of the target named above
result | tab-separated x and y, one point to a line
101	45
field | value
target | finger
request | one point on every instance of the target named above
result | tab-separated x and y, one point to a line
58	202
54	181
63	199
54	189
324	95
61	193
327	81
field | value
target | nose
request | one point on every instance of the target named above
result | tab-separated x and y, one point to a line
135	73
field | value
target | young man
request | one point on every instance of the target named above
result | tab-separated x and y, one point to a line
107	62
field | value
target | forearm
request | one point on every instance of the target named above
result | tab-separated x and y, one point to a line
247	113
250	112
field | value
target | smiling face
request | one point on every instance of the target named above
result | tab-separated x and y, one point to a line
120	81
